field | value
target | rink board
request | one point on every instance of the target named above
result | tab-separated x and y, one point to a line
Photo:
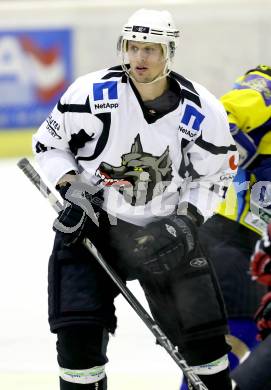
15	143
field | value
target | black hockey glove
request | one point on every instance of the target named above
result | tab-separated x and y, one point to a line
260	265
71	220
263	317
79	206
161	245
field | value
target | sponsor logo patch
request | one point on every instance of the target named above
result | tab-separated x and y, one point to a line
141	29
192	117
103	94
198	262
227	176
52	127
187	132
100	106
105	91
232	163
171	230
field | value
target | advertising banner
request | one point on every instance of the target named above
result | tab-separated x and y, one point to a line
35	69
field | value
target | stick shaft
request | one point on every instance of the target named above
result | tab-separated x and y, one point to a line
35	179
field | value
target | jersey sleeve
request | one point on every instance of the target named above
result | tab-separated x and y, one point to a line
51	147
65	133
210	162
246	108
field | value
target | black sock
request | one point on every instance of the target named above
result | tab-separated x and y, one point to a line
219	381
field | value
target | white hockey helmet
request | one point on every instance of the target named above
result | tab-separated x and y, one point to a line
151	26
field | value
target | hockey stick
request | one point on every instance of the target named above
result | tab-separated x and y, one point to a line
162	339
262	212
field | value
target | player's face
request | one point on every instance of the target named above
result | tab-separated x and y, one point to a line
146	60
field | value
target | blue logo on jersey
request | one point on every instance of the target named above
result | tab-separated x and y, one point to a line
99	88
191	113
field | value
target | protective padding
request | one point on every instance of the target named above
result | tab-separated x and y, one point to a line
188	305
82	356
80	292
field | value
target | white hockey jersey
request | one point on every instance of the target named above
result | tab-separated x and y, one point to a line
146	164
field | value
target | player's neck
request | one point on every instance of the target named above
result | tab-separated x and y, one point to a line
151	91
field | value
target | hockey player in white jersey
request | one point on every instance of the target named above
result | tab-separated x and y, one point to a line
150	151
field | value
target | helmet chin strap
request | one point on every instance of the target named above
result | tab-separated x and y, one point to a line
127	71
165	73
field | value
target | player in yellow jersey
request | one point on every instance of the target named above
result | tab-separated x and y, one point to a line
230	236
248	106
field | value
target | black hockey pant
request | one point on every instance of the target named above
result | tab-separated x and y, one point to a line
186	303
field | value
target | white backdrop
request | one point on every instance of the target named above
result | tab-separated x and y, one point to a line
219	39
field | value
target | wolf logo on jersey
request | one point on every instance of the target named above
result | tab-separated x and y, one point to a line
140	177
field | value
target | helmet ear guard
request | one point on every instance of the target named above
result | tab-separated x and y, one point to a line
171	50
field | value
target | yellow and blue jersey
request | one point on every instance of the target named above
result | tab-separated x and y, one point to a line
248	107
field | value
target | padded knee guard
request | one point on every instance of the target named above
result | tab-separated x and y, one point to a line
199	301
82	357
188	305
75	292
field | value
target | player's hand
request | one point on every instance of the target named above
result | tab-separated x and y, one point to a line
161	245
71	220
263	317
260	266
